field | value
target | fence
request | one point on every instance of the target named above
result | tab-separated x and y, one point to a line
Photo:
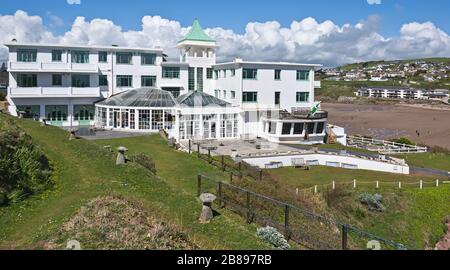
376	185
384	147
309	229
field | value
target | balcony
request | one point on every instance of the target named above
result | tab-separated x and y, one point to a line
29	92
52	67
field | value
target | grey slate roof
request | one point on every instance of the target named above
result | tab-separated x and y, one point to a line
141	97
199	98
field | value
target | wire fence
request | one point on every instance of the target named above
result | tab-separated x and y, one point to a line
311	230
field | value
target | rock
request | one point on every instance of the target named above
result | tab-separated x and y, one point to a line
207	213
121	160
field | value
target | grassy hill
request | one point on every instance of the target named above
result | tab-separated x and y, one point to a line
84	170
375	63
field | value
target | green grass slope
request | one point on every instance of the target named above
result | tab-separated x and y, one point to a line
83	170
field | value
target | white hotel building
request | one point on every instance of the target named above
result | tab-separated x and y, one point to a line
136	89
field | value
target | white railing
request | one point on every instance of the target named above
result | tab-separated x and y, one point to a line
54	92
384	147
52	66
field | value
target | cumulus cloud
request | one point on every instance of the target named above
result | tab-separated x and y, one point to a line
306	40
374	2
74	2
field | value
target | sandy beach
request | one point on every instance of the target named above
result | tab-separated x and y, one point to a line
421	125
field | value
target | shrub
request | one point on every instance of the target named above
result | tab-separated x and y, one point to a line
273	237
24	169
145	161
404	140
373	202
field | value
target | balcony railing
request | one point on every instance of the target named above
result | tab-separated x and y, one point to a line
53	92
52	66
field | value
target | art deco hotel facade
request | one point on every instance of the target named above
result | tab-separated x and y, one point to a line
136	89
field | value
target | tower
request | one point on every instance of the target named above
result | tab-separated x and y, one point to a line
198	50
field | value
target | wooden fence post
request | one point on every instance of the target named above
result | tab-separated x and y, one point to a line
231	177
260	174
315	189
354	183
189	146
437	183
199	185
421	184
219	194
198	150
287	233
239	166
378	184
344	236
209	156
400	185
223	163
248	207
334	185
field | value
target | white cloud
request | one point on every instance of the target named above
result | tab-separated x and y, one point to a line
374	2
306	40
74	2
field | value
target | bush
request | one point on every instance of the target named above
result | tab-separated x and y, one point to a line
273	237
404	140
373	202
24	169
145	161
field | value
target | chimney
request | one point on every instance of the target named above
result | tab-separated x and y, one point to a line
238	60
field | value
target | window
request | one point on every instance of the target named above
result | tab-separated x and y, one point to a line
302	75
171	72
302	96
272	127
26	55
249	97
217	93
277	74
124	81
30	111
56	55
233	72
103	80
216	74
27	80
148	58
298	128
83	112
209	73
144	119
56	112
191	79
310	128
80	80
200	79
286	129
102	57
80	57
249	74
148	81
224	73
224	94
233	94
124	58
175	91
319	128
56	79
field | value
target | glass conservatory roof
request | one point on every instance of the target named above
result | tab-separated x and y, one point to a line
200	99
141	97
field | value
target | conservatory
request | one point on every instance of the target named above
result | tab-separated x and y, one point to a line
195	115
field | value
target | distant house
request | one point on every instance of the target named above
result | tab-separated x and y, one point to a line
402	93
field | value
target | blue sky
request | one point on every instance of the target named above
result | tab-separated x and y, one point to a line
329	32
235	14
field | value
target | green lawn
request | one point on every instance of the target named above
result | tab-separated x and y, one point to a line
83	170
438	161
321	175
